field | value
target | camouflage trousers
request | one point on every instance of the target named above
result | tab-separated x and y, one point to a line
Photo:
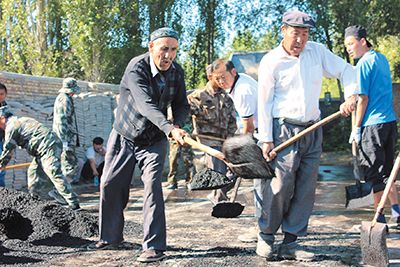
50	165
176	150
69	164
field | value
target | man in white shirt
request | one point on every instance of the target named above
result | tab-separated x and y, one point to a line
95	160
243	90
290	79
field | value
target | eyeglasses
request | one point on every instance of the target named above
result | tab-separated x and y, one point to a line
221	78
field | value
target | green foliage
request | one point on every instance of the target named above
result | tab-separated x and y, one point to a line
336	133
389	45
95	39
246	41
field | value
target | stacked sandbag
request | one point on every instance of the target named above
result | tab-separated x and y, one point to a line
94	114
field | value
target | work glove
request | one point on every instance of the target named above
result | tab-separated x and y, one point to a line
355	135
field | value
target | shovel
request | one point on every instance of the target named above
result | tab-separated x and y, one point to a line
207	179
247	167
373	234
229	209
358	195
239	149
19	165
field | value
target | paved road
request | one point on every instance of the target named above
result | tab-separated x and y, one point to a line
197	239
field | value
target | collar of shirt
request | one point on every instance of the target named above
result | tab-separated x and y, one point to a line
211	91
234	83
153	68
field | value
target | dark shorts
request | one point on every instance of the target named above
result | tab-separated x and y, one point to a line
377	153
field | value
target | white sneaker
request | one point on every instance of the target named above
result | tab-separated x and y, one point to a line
57	197
265	245
250	236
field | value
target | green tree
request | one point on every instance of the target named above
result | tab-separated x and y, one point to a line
389	45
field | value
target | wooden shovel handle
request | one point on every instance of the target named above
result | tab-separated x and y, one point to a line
353	143
236	188
19	165
307	131
209	137
209	150
392	177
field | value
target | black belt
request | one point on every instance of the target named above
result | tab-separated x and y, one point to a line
298	123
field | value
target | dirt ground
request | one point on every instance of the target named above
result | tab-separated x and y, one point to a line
195	238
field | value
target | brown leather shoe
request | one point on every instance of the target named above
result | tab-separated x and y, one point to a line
101	245
293	251
151	255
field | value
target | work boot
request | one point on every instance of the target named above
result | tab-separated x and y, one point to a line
250	236
265	245
293	251
57	197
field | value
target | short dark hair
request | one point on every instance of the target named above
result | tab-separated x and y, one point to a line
358	32
217	63
2	86
98	141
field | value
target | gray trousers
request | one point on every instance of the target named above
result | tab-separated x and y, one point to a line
219	166
288	199
120	160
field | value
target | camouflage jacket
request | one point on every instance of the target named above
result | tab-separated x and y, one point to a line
4	103
214	114
29	134
63	119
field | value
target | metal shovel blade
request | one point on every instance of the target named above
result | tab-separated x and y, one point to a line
227	209
207	179
246	159
373	244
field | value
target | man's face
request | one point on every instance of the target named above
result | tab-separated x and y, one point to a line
3	122
97	147
163	51
355	47
3	95
294	39
224	78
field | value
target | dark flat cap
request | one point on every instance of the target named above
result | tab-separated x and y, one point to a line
163	32
358	32
298	19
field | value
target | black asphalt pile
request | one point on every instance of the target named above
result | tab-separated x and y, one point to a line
34	232
242	151
207	179
27	217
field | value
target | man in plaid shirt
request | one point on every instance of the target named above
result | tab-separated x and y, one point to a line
151	83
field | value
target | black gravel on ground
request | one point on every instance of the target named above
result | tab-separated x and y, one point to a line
207	179
32	229
34	232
